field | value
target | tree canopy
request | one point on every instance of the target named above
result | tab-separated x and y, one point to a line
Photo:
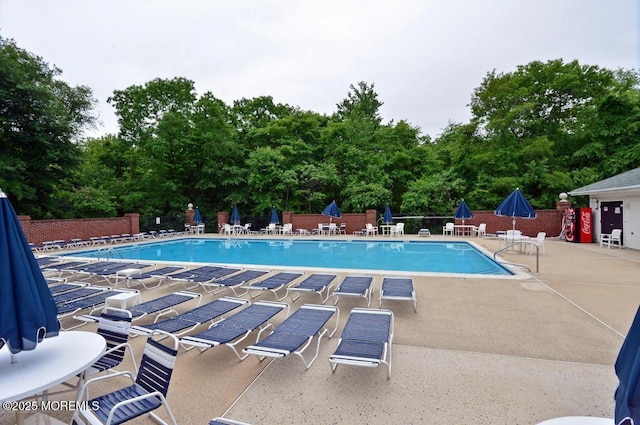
546	127
41	117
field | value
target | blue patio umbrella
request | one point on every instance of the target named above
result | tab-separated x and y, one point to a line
29	312
463	212
235	215
197	217
274	216
627	369
332	211
387	218
516	206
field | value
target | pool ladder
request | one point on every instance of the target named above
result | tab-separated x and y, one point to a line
515	243
107	253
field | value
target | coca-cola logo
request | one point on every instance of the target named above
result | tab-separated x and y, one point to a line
585	222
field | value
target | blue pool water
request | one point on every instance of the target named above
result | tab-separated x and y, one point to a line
413	256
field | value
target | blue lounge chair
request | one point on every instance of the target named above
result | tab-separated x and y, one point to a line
111	272
76	294
366	340
146	393
91	303
273	283
398	288
233	282
184	278
236	328
296	333
163	305
202	279
317	283
189	320
154	278
354	286
66	287
113	325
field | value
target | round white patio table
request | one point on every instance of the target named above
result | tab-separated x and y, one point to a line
52	362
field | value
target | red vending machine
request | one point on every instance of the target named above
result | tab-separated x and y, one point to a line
578	225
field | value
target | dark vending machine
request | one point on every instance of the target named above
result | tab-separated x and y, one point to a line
578	225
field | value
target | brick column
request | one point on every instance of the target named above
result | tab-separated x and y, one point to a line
223	218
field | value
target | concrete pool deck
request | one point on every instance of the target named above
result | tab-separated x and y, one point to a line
478	350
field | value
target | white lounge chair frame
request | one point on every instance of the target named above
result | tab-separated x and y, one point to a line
203	344
388	292
386	357
303	288
263	351
341	291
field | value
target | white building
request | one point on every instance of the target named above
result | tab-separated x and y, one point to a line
616	205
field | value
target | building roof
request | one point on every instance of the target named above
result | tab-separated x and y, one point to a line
625	181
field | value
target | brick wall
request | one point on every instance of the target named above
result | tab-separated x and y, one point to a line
38	231
354	221
549	221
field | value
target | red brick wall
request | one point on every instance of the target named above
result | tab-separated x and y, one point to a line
354	221
549	221
38	231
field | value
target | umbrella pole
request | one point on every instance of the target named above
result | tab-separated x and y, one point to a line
13	357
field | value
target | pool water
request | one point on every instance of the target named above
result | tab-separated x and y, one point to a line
412	256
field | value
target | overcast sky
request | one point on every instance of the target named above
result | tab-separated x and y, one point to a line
425	57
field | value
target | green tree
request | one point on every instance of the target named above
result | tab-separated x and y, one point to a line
41	118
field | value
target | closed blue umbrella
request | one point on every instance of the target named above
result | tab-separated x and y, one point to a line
332	211
627	368
235	215
274	216
515	205
463	212
387	217
197	217
29	312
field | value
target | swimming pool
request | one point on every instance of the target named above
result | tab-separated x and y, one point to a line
371	256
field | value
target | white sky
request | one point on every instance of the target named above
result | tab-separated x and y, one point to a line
425	57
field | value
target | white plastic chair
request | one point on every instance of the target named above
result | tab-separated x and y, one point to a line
448	229
613	238
539	242
398	230
371	229
480	231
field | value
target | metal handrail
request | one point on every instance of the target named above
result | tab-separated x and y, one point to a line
107	251
514	243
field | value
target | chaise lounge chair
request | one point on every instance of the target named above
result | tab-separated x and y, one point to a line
354	286
163	305
189	320
317	283
113	326
233	282
92	303
273	283
236	328
153	278
183	278
366	340
296	333
146	393
398	288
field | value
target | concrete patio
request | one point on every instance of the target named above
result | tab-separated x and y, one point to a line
479	350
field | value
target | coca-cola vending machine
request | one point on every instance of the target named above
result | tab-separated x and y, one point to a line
578	225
